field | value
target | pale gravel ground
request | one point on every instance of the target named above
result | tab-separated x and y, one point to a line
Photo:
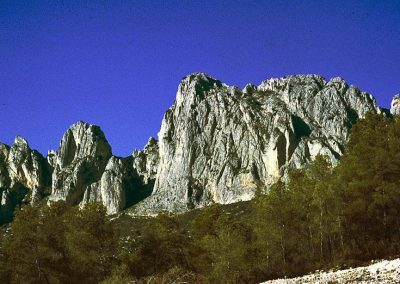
385	271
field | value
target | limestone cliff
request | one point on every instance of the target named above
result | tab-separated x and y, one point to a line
85	170
79	162
219	144
24	177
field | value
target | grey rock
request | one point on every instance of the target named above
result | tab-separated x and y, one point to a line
218	144
4	177
28	168
121	185
110	189
24	177
145	161
85	170
80	161
395	105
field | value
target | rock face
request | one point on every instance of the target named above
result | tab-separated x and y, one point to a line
220	144
111	188
24	177
395	105
79	162
217	144
85	170
146	161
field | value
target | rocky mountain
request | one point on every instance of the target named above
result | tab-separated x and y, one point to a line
85	170
220	144
79	162
217	144
24	177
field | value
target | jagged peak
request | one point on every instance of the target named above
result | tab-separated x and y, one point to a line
290	80
305	77
197	76
82	139
82	128
249	89
194	88
81	125
202	80
296	78
339	84
337	80
20	143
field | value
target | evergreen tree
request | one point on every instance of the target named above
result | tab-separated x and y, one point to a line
369	173
59	244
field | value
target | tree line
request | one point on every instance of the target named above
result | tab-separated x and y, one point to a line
323	217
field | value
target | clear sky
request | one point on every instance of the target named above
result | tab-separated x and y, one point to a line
118	64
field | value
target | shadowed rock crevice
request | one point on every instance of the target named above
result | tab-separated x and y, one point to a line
301	128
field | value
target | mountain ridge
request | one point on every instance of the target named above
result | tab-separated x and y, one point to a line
217	144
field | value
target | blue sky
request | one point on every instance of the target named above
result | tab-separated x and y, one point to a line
118	64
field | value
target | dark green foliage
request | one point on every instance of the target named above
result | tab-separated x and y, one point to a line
323	217
58	244
369	175
226	246
91	243
328	216
157	247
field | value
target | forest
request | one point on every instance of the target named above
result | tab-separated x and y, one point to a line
324	217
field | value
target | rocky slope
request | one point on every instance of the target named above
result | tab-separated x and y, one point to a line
384	272
217	144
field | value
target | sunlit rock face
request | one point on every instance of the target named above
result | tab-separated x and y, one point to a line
220	144
111	188
395	105
86	171
217	144
145	161
120	186
24	177
79	162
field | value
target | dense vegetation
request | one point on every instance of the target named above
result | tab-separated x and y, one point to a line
323	217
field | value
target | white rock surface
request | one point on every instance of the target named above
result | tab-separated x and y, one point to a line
145	161
86	171
385	272
24	177
79	162
395	105
110	189
218	144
